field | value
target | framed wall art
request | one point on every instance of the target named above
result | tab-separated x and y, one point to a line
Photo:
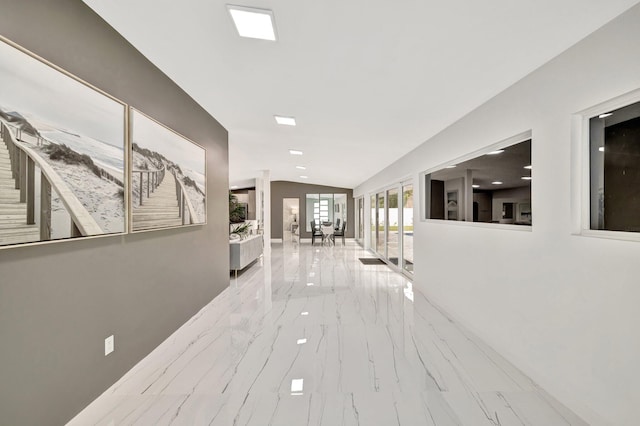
168	177
62	154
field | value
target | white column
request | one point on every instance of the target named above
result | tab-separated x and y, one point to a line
468	194
266	207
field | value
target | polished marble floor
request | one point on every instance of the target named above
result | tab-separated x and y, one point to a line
310	336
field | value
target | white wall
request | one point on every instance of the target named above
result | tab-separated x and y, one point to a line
570	317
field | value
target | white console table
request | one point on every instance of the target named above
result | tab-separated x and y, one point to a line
243	252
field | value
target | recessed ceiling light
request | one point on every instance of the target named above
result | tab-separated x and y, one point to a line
309	284
301	168
301	341
304	177
475	186
286	121
253	23
295	152
528	167
605	115
496	152
526	178
453	166
304	314
497	182
234	187
601	149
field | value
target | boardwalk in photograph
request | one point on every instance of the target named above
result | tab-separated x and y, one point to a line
160	210
13	213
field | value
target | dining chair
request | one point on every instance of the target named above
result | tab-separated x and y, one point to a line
340	232
315	232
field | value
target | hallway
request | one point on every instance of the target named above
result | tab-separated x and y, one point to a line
310	336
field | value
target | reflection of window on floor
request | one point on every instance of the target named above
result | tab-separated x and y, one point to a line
614	146
494	188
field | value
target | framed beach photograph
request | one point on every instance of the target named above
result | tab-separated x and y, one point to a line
62	154
168	177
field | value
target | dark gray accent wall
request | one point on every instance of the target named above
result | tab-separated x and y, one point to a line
285	189
58	302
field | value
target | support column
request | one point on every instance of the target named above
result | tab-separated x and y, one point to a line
468	194
263	206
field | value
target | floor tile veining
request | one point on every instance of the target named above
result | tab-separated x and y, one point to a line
310	336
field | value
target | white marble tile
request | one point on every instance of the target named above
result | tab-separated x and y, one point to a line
330	409
508	408
155	410
360	350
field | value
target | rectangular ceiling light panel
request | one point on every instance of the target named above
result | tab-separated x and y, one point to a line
285	121
253	23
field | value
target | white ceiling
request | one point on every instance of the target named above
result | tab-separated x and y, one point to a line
366	80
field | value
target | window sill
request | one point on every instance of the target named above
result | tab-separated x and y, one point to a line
504	226
610	235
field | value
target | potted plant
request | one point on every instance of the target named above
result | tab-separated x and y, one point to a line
241	231
238	229
235	209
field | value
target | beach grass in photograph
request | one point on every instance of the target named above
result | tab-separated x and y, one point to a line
168	177
62	154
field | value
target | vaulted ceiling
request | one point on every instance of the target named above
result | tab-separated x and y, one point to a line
367	81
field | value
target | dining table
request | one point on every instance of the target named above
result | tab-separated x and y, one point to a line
327	231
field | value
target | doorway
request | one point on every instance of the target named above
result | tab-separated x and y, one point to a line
290	220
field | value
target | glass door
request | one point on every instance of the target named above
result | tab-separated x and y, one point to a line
373	220
380	222
326	208
407	228
360	220
392	222
313	210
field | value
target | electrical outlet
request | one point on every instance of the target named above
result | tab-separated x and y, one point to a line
108	345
